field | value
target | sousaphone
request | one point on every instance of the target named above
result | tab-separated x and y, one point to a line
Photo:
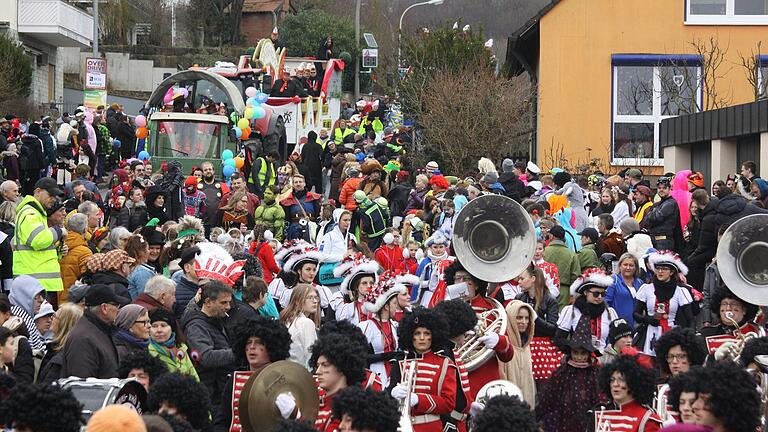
742	258
257	400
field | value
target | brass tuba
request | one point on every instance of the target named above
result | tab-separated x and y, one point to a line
494	239
742	258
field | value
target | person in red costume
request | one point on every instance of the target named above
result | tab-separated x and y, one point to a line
390	254
339	363
629	381
423	335
476	293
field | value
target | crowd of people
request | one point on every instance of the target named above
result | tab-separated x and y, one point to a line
340	259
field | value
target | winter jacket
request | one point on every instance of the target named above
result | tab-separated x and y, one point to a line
703	253
621	297
49	146
416	200
118	282
208	336
712	282
126	343
89	351
662	221
138	278
176	359
398	198
514	187
333	245
546	315
373	190
273	216
34	245
148	302
347	191
612	242
311	156
389	258
337	169
588	257
73	263
133	215
6	254
22	298
32	153
266	256
568	267
185	292
733	207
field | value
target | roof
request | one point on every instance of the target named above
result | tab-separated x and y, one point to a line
523	44
258	6
225	85
738	120
174	116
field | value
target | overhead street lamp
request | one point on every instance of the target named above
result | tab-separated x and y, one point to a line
400	31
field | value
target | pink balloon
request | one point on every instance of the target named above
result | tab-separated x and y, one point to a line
185	92
140	121
251	91
168	96
262	124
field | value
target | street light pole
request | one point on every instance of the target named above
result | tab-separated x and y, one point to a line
357	45
95	43
400	28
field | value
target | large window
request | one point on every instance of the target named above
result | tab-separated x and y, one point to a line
182	139
646	90
736	12
762	76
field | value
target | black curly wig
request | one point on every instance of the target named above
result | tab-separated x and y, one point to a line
152	365
429	319
449	274
723	293
42	408
561	178
753	347
505	413
189	397
459	314
348	357
252	267
641	381
685	382
7	383
346	329
733	397
292	426
272	334
369	409
691	344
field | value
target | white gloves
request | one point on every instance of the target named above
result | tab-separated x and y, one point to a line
285	403
725	351
490	340
400	393
476	408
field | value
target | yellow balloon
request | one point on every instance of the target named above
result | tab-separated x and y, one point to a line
248	113
242	123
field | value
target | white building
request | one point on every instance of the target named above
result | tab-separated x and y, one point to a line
42	26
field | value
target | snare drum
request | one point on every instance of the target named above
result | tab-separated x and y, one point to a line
95	393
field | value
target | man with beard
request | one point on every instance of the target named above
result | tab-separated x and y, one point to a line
662	220
213	190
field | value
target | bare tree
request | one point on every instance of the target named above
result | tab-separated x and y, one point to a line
751	65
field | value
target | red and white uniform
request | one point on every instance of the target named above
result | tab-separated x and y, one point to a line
511	289
383	338
716	336
489	370
239	378
389	258
630	417
665	312
435	386
464	397
372	381
352	312
325	421
599	326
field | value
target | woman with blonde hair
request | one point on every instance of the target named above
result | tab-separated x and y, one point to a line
520	330
64	319
235	214
302	317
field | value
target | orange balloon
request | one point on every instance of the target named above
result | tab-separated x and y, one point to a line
246	133
239	162
142	132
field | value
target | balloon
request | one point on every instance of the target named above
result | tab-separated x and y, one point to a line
262	98
185	92
116	143
141	132
140	120
259	112
239	162
251	101
230	162
168	96
227	154
228	170
246	133
248	113
251	91
143	155
238	131
243	123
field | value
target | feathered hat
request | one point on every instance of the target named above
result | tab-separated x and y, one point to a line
191	231
593	277
667	258
352	268
297	252
436	239
214	262
388	286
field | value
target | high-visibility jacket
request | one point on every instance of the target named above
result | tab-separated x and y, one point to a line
339	135
34	245
263	166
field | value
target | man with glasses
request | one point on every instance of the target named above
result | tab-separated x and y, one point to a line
736	317
89	351
662	220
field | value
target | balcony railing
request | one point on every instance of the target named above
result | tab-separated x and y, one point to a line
55	23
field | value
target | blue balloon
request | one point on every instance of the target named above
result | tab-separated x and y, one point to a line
238	131
259	112
251	101
144	155
230	162
227	154
116	144
262	97
229	170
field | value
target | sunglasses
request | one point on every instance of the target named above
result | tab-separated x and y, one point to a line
663	181
597	294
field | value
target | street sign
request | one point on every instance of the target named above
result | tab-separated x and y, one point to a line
370	57
95	74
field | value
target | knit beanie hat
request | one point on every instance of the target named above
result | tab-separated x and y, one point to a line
161	314
507	165
127	315
116	418
491	178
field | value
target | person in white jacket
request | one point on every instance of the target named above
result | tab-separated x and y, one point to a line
302	317
333	245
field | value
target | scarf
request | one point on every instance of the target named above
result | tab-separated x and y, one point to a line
664	290
434	258
588	309
129	338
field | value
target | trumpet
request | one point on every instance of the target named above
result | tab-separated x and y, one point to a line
409	367
732	350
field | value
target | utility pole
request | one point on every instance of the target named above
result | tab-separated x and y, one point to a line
95	43
357	45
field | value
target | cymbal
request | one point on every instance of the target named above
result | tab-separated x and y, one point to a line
257	401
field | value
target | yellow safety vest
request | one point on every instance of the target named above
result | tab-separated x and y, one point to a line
263	173
34	245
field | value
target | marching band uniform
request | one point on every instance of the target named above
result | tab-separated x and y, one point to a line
352	269
726	333
292	256
464	398
598	316
489	370
630	417
430	270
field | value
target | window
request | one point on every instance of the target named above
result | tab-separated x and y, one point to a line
646	90
762	77
735	12
183	139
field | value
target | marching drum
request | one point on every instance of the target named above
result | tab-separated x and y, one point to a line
95	393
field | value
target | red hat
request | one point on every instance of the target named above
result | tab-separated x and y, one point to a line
403	175
191	182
